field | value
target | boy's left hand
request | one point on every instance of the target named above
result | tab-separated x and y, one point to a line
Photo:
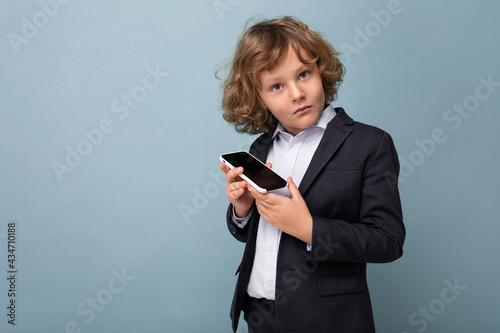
290	215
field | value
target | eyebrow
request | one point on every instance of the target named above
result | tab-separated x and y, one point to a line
300	69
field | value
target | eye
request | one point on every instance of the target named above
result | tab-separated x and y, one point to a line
303	75
276	87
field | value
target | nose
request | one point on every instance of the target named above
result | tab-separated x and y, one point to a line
296	92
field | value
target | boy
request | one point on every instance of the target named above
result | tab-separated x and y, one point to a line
304	264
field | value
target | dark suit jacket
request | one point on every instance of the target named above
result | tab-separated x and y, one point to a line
357	219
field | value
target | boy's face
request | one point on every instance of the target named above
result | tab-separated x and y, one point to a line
293	92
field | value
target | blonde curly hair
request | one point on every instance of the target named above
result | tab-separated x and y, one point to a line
261	48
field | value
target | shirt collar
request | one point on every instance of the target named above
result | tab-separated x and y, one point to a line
326	116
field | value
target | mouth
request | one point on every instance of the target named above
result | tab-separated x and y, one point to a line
302	110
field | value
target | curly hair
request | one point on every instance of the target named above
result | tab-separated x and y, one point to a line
262	47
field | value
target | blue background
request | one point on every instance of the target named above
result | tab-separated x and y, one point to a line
146	202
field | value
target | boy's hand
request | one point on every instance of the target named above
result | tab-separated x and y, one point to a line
290	215
237	190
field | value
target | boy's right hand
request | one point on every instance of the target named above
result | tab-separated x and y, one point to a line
237	191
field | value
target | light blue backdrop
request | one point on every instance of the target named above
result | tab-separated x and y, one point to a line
110	131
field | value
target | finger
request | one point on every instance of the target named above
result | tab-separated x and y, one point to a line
233	194
294	191
262	210
238	185
262	213
224	167
237	194
256	194
264	205
259	195
267	200
269	165
232	174
265	213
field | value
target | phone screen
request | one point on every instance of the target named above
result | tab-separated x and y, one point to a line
255	170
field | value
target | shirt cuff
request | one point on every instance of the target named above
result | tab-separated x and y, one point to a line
240	222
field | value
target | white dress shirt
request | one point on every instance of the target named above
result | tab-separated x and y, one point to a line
290	156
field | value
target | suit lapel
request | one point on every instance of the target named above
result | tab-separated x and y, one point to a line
261	146
335	133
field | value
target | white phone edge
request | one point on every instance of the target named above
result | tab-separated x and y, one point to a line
255	186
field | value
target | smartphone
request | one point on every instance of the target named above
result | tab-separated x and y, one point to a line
256	173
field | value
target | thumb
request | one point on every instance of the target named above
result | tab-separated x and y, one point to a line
294	191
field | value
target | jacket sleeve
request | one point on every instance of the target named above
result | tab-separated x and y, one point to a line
235	230
378	234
